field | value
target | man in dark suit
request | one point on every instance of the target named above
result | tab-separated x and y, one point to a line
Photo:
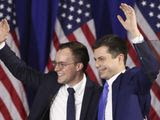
126	92
52	96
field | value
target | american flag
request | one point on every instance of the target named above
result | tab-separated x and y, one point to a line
13	102
148	17
80	20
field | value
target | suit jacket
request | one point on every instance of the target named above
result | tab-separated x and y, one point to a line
131	90
47	87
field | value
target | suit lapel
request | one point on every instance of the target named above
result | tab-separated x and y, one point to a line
86	99
115	93
116	87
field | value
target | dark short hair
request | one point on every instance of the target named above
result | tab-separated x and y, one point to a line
115	45
79	51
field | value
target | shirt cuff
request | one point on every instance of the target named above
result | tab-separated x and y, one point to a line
2	45
136	40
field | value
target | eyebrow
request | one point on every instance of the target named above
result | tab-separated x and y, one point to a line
57	61
100	57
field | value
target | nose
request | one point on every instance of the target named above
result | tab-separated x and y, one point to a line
97	64
56	68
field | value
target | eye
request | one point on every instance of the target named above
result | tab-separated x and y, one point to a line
101	59
61	64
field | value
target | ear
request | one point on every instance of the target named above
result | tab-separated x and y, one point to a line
79	66
121	58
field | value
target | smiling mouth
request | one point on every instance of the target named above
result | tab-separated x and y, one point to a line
102	70
59	74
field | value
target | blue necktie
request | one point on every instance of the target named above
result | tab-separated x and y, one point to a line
102	102
71	104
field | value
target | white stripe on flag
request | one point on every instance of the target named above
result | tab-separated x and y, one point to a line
1	116
155	103
130	62
158	79
53	52
8	102
60	34
92	28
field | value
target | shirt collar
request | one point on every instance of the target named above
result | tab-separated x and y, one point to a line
112	79
79	87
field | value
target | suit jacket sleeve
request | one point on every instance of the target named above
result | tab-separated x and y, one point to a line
149	64
148	70
20	70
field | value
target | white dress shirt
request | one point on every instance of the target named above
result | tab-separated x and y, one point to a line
59	105
2	45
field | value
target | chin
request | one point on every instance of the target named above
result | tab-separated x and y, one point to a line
102	77
60	81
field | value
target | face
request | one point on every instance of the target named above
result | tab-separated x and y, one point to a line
106	64
66	67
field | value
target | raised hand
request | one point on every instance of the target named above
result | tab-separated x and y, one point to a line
4	30
130	24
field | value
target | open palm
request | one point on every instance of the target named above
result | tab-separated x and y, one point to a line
130	23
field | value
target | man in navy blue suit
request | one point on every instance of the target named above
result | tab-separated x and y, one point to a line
126	92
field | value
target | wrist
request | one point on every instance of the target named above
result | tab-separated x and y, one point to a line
135	33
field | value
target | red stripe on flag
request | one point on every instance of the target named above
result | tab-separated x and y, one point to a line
55	41
153	115
156	90
133	54
88	34
91	74
158	35
14	36
71	37
50	65
4	111
56	46
14	96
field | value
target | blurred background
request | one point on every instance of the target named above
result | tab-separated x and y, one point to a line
39	26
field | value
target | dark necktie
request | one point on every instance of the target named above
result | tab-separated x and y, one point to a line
103	102
71	104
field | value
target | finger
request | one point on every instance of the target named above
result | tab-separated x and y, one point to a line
131	10
126	9
121	20
6	25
